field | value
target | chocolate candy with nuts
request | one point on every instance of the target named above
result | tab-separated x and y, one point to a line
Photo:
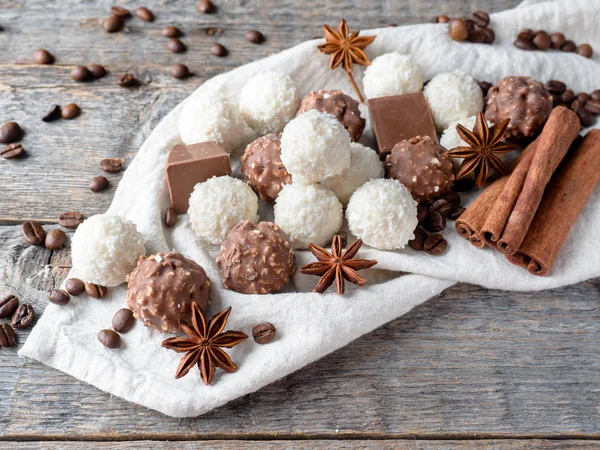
256	258
162	288
342	106
422	166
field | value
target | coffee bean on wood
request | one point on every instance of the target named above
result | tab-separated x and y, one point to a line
97	70
59	297
179	71
120	11
109	338
264	333
111	165
126	80
52	114
435	244
55	239
145	14
7	335
33	233
255	36
205	6
171	31
8	305
10	132
218	50
75	286
95	290
43	56
123	320
70	219
80	74
14	150
112	24
98	184
70	111
22	317
175	45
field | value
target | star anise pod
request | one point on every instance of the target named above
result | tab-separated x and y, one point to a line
202	344
337	266
346	49
484	144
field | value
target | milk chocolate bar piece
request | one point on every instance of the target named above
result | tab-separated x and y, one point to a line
400	117
191	164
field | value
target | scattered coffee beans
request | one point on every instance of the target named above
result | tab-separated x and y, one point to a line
109	338
22	317
205	6
435	222
59	297
55	239
123	320
458	30
170	218
263	333
145	14
556	87
171	31
12	151
10	132
126	80
557	40
70	111
586	117
541	40
98	184
442	206
75	286
120	11
595	95
480	18
97	70
175	45
112	24
585	50
7	335
255	36
43	56
593	106
435	244
95	290
52	114
524	44
530	40
179	71
111	165
70	219
418	242
218	50
422	212
569	46
80	74
33	233
8	305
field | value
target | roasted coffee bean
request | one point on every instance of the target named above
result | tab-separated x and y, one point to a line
8	305
213	31
568	46
75	286
206	6
126	80
10	132
556	87
575	105
567	97
113	23
435	222
55	239
255	36
111	165
477	36
585	50
43	56
218	50
442	19
464	185
593	106
97	70
557	40
120	11
70	111
452	197
263	333
470	25
441	205
123	320
587	118
109	338
170	218
583	97
422	212
33	233
80	74
98	184
524	44
527	34
179	71
175	45
456	213
489	35
480	18
418	242
145	14
457	29
22	317
171	31
95	290
435	244
541	40
7	335
70	219
14	150
595	95
485	86
52	114
59	297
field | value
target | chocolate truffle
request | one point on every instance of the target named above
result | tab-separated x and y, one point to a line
342	106
526	102
422	166
256	258
263	169
162	288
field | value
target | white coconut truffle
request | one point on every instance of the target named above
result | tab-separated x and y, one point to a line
218	205
308	214
453	96
105	249
268	101
383	214
450	138
210	116
364	166
315	146
392	74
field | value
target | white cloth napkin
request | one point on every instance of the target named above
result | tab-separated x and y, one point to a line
312	325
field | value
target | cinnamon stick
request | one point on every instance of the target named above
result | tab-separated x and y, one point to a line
562	203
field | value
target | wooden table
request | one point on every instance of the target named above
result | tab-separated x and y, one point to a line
470	368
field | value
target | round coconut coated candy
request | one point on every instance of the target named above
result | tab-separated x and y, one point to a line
392	74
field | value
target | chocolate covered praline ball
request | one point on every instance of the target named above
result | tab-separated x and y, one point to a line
256	258
422	166
263	169
163	287
526	102
342	106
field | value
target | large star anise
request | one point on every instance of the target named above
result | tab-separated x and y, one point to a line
346	50
337	266
202	344
484	144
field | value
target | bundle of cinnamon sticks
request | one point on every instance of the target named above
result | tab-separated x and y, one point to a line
528	214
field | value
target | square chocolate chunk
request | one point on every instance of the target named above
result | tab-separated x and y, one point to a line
400	117
191	164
